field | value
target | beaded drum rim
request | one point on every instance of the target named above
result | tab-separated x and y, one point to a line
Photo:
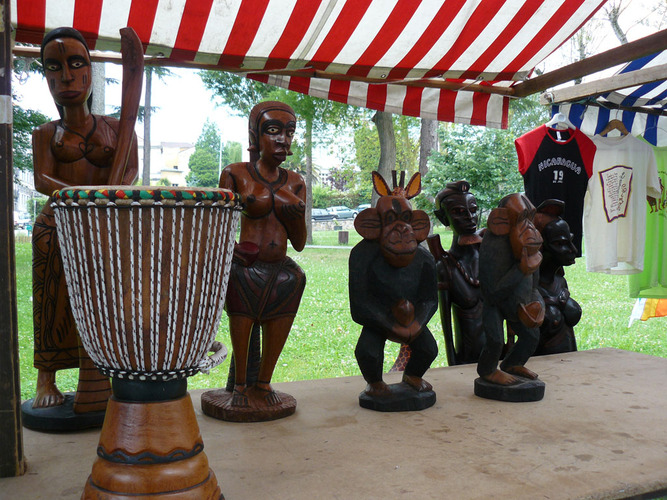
124	195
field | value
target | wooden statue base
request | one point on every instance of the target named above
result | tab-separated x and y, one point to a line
59	418
525	391
403	397
151	450
217	404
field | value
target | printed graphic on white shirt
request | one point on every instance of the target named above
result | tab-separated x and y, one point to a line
616	183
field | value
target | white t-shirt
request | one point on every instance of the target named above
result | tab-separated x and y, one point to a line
624	173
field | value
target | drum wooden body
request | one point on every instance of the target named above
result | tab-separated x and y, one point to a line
147	273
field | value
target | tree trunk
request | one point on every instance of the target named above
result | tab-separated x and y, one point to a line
146	173
428	141
309	179
385	125
99	81
613	12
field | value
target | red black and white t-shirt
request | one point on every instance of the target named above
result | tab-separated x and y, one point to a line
556	164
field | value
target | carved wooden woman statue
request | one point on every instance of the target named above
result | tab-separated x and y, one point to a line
265	285
77	149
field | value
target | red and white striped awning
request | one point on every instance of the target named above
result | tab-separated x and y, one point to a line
451	60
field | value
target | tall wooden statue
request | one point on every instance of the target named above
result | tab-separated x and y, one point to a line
393	295
561	312
84	149
458	274
265	285
460	298
509	258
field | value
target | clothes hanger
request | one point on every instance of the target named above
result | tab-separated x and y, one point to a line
615	125
560	120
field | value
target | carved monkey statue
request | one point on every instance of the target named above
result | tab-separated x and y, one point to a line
509	257
392	284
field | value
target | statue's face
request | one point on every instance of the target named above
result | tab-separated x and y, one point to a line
398	241
558	242
276	130
68	71
461	213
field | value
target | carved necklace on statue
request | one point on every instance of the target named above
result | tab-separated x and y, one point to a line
68	145
466	240
468	279
260	199
83	146
462	270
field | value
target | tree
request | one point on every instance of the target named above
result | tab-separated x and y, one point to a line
25	121
205	161
161	72
232	153
340	178
484	157
385	129
428	142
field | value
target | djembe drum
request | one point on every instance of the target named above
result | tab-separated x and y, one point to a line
147	273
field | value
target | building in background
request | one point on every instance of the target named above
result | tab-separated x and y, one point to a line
25	197
169	163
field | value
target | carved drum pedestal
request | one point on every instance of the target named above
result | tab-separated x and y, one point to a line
147	272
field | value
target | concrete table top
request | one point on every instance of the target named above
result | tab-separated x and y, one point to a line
600	432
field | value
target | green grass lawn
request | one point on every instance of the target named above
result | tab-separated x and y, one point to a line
322	341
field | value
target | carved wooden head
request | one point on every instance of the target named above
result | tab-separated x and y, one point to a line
514	218
392	222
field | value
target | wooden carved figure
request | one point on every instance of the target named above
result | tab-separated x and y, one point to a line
265	285
393	295
562	312
458	274
80	148
509	258
459	294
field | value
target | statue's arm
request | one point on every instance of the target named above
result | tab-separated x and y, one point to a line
292	211
132	167
427	303
46	180
365	308
227	180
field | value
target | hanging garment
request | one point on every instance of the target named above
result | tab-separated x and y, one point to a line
624	173
652	281
557	164
645	309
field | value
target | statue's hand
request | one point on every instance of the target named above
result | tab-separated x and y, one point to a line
531	314
292	211
404	312
405	334
530	260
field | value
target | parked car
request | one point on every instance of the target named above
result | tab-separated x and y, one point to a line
362	207
342	212
21	221
321	214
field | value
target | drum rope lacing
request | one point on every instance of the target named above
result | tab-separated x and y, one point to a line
95	303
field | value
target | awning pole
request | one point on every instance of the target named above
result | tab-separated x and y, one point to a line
12	462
